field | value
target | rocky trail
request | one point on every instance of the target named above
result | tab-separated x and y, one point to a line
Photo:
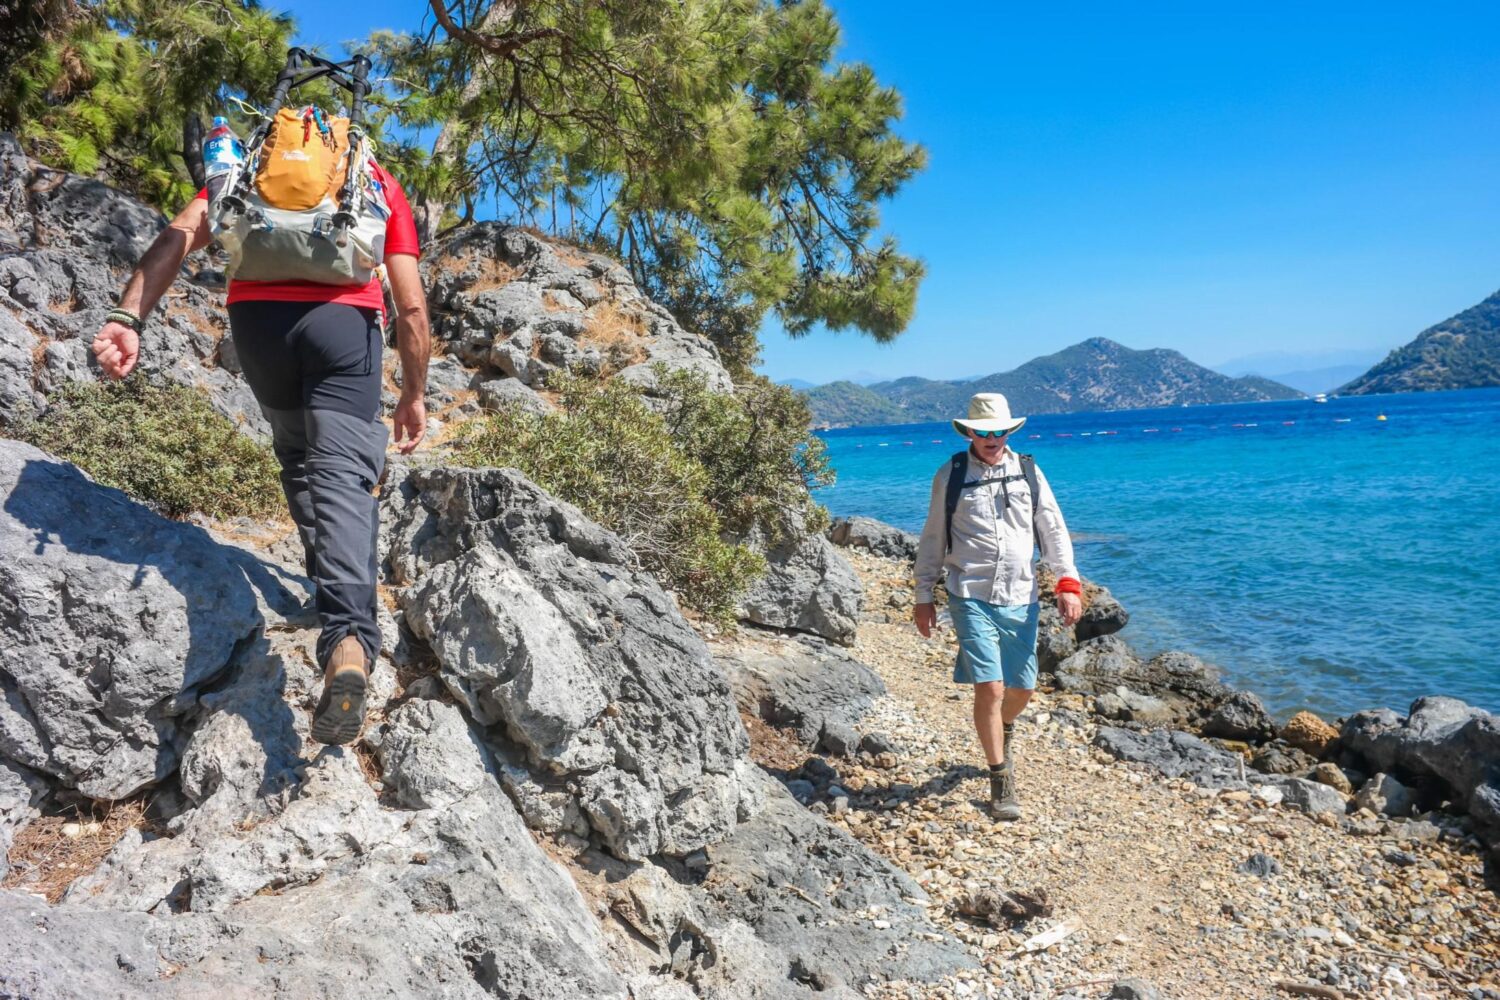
1192	892
567	789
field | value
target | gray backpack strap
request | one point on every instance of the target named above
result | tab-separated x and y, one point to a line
1028	469
957	472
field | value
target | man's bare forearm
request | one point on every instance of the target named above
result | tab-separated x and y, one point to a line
160	265
414	345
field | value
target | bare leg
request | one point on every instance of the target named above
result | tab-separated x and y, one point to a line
1014	704
988	698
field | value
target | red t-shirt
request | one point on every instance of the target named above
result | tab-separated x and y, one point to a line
400	237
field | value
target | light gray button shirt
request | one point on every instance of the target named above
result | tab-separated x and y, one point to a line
993	548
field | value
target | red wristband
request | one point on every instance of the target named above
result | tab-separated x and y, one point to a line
1068	585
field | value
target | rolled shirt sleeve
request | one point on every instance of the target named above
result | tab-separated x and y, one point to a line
933	545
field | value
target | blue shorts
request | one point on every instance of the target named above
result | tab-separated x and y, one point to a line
996	642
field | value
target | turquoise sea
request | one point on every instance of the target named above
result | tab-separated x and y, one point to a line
1322	557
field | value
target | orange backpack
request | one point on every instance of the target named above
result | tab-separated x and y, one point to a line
305	205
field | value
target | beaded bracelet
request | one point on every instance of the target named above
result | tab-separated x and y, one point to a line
125	318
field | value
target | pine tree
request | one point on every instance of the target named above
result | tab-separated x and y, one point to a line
712	145
106	90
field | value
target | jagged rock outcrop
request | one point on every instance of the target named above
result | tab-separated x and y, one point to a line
549	690
1188	689
113	622
806	685
542	627
67	243
808	586
511	304
1442	747
877	537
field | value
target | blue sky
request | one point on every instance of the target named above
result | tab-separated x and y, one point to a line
1224	179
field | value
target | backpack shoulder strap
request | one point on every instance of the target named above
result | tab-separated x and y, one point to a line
958	470
1028	469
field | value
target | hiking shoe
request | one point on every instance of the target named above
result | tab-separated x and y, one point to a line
341	709
1003	803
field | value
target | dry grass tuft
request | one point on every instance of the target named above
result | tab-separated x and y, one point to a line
492	273
369	765
772	748
39	358
53	851
619	335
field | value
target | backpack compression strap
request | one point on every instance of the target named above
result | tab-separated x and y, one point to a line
958	471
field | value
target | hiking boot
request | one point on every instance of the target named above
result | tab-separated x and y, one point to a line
341	709
1003	804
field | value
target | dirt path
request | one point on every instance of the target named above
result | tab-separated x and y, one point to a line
1146	867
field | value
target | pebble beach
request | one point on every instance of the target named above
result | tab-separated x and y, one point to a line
1119	882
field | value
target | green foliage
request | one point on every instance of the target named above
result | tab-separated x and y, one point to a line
754	446
105	90
607	453
712	145
163	444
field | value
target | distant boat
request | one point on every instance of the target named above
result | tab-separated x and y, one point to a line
1321	397
1381	417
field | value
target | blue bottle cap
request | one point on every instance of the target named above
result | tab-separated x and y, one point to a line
220	120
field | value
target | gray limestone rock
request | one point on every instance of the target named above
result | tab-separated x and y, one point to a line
1132	706
1103	616
1441	743
1385	795
546	633
1174	754
20	791
507	300
1134	989
112	622
1311	796
1260	865
441	891
875	536
1278	757
512	394
1241	716
750	879
808	586
806	684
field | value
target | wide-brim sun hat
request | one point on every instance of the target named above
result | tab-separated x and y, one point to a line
988	411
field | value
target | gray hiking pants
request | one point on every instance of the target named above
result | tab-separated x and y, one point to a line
315	369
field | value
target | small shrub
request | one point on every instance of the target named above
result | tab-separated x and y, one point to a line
614	458
756	448
163	444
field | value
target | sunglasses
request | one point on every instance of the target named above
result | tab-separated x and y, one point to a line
990	434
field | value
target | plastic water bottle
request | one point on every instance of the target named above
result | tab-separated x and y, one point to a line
222	152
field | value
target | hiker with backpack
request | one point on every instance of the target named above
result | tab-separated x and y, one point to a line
307	218
990	509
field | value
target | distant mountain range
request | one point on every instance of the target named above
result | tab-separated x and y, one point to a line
1459	353
1306	371
1097	374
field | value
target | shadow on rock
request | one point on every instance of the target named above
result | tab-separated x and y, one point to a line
113	622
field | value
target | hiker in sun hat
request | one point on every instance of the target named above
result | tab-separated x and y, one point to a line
990	509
